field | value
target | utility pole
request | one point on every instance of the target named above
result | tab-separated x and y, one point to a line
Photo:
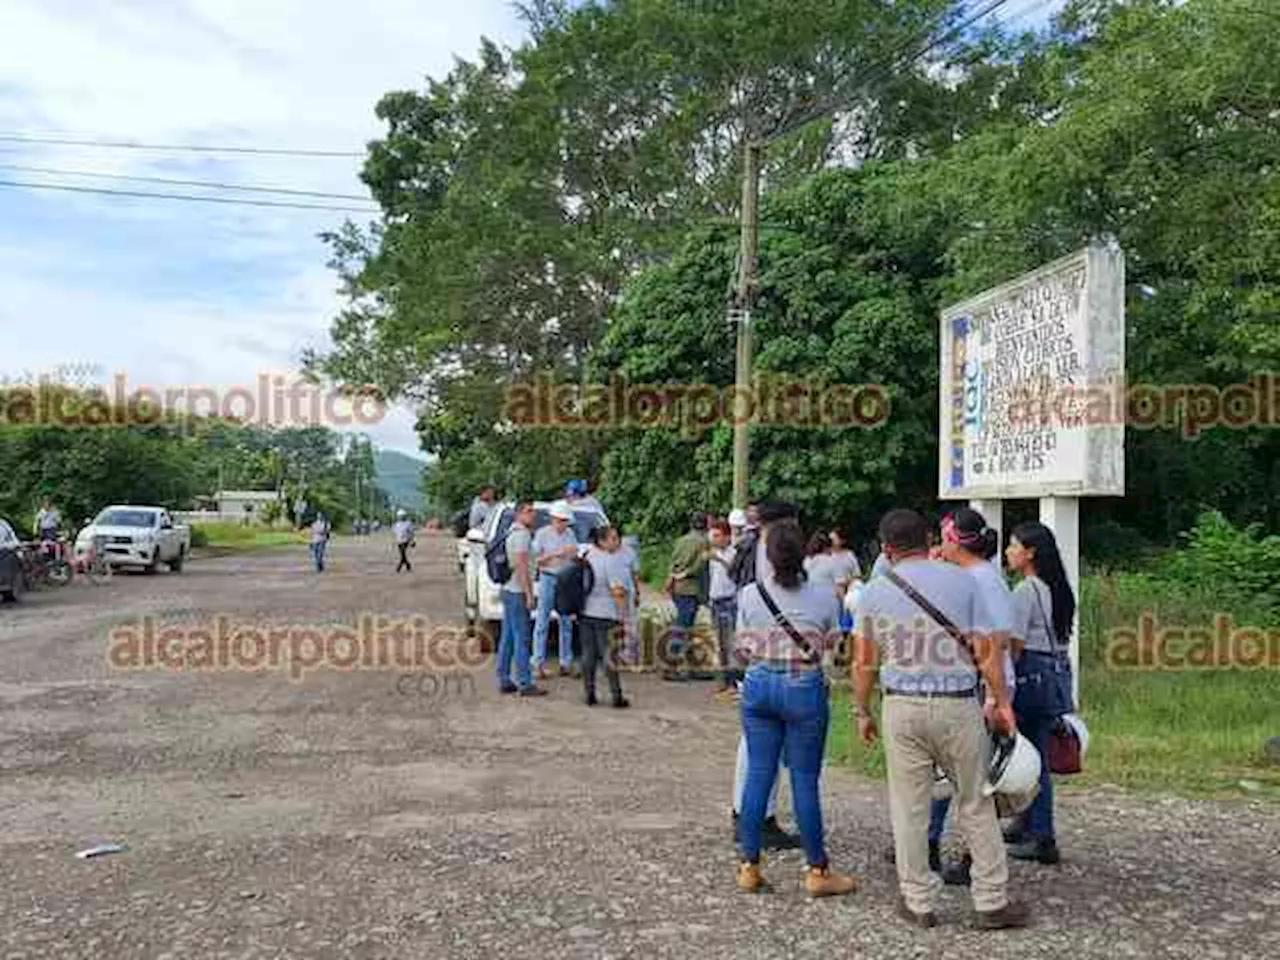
744	299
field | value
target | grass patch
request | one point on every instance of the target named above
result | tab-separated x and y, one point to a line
239	537
1191	731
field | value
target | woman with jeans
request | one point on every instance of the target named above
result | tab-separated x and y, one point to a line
1044	608
785	703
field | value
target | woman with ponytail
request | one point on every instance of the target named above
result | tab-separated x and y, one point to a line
1044	610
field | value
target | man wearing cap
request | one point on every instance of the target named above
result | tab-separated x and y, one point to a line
402	530
555	547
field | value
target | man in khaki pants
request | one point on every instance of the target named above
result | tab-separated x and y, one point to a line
929	675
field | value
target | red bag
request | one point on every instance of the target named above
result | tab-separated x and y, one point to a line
1064	750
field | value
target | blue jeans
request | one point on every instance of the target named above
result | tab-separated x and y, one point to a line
686	614
784	707
514	641
317	554
724	613
937	819
542	624
1044	694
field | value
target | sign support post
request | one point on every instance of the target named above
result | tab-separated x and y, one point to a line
1062	516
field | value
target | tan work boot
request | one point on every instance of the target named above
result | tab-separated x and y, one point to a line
825	882
750	879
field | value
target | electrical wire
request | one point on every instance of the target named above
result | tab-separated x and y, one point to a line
235	201
194	148
182	183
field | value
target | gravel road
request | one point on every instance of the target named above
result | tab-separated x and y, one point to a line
374	813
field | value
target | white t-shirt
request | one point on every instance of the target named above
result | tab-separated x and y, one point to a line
722	586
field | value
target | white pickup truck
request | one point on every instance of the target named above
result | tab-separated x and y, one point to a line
137	536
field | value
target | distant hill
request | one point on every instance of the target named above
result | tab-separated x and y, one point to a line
401	477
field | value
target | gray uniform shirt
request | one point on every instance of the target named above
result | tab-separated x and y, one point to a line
609	570
916	654
1033	615
517	543
546	542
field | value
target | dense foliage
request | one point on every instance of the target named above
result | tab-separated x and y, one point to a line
568	209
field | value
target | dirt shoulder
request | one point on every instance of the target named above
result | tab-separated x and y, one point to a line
378	813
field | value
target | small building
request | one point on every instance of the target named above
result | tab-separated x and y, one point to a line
244	504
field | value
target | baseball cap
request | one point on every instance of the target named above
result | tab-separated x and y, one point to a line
561	510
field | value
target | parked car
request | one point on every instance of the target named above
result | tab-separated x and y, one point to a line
137	536
483	597
12	581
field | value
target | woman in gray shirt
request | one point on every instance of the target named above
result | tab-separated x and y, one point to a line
1044	609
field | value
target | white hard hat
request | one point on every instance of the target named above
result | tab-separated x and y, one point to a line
942	786
1014	775
737	518
401	513
561	510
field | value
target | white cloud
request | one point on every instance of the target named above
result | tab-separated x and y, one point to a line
177	292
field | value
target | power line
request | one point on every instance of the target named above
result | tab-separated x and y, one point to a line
883	70
194	148
182	183
178	196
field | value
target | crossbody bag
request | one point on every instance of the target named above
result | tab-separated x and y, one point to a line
810	655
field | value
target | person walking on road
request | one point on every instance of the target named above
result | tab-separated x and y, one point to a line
784	626
319	540
1044	608
605	613
517	601
932	718
554	548
402	530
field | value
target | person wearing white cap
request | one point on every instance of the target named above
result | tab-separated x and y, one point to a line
402	530
555	546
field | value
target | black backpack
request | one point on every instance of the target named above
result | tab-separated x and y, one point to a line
742	569
573	584
495	554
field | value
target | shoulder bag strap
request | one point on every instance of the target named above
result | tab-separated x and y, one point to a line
937	615
787	625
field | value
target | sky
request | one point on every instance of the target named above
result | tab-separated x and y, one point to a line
169	294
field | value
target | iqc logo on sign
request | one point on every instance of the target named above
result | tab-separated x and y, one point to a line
959	396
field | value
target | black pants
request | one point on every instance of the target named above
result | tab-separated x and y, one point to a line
596	636
404	558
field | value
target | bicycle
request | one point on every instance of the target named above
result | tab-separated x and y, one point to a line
45	564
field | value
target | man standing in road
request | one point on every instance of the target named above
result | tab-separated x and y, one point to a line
481	506
554	546
929	673
402	530
517	601
689	557
48	520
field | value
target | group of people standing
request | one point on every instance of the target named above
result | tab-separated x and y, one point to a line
608	608
956	655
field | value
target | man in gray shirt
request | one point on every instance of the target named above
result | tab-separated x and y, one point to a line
517	601
554	547
481	507
931	715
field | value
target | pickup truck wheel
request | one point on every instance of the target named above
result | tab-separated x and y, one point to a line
155	562
175	564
